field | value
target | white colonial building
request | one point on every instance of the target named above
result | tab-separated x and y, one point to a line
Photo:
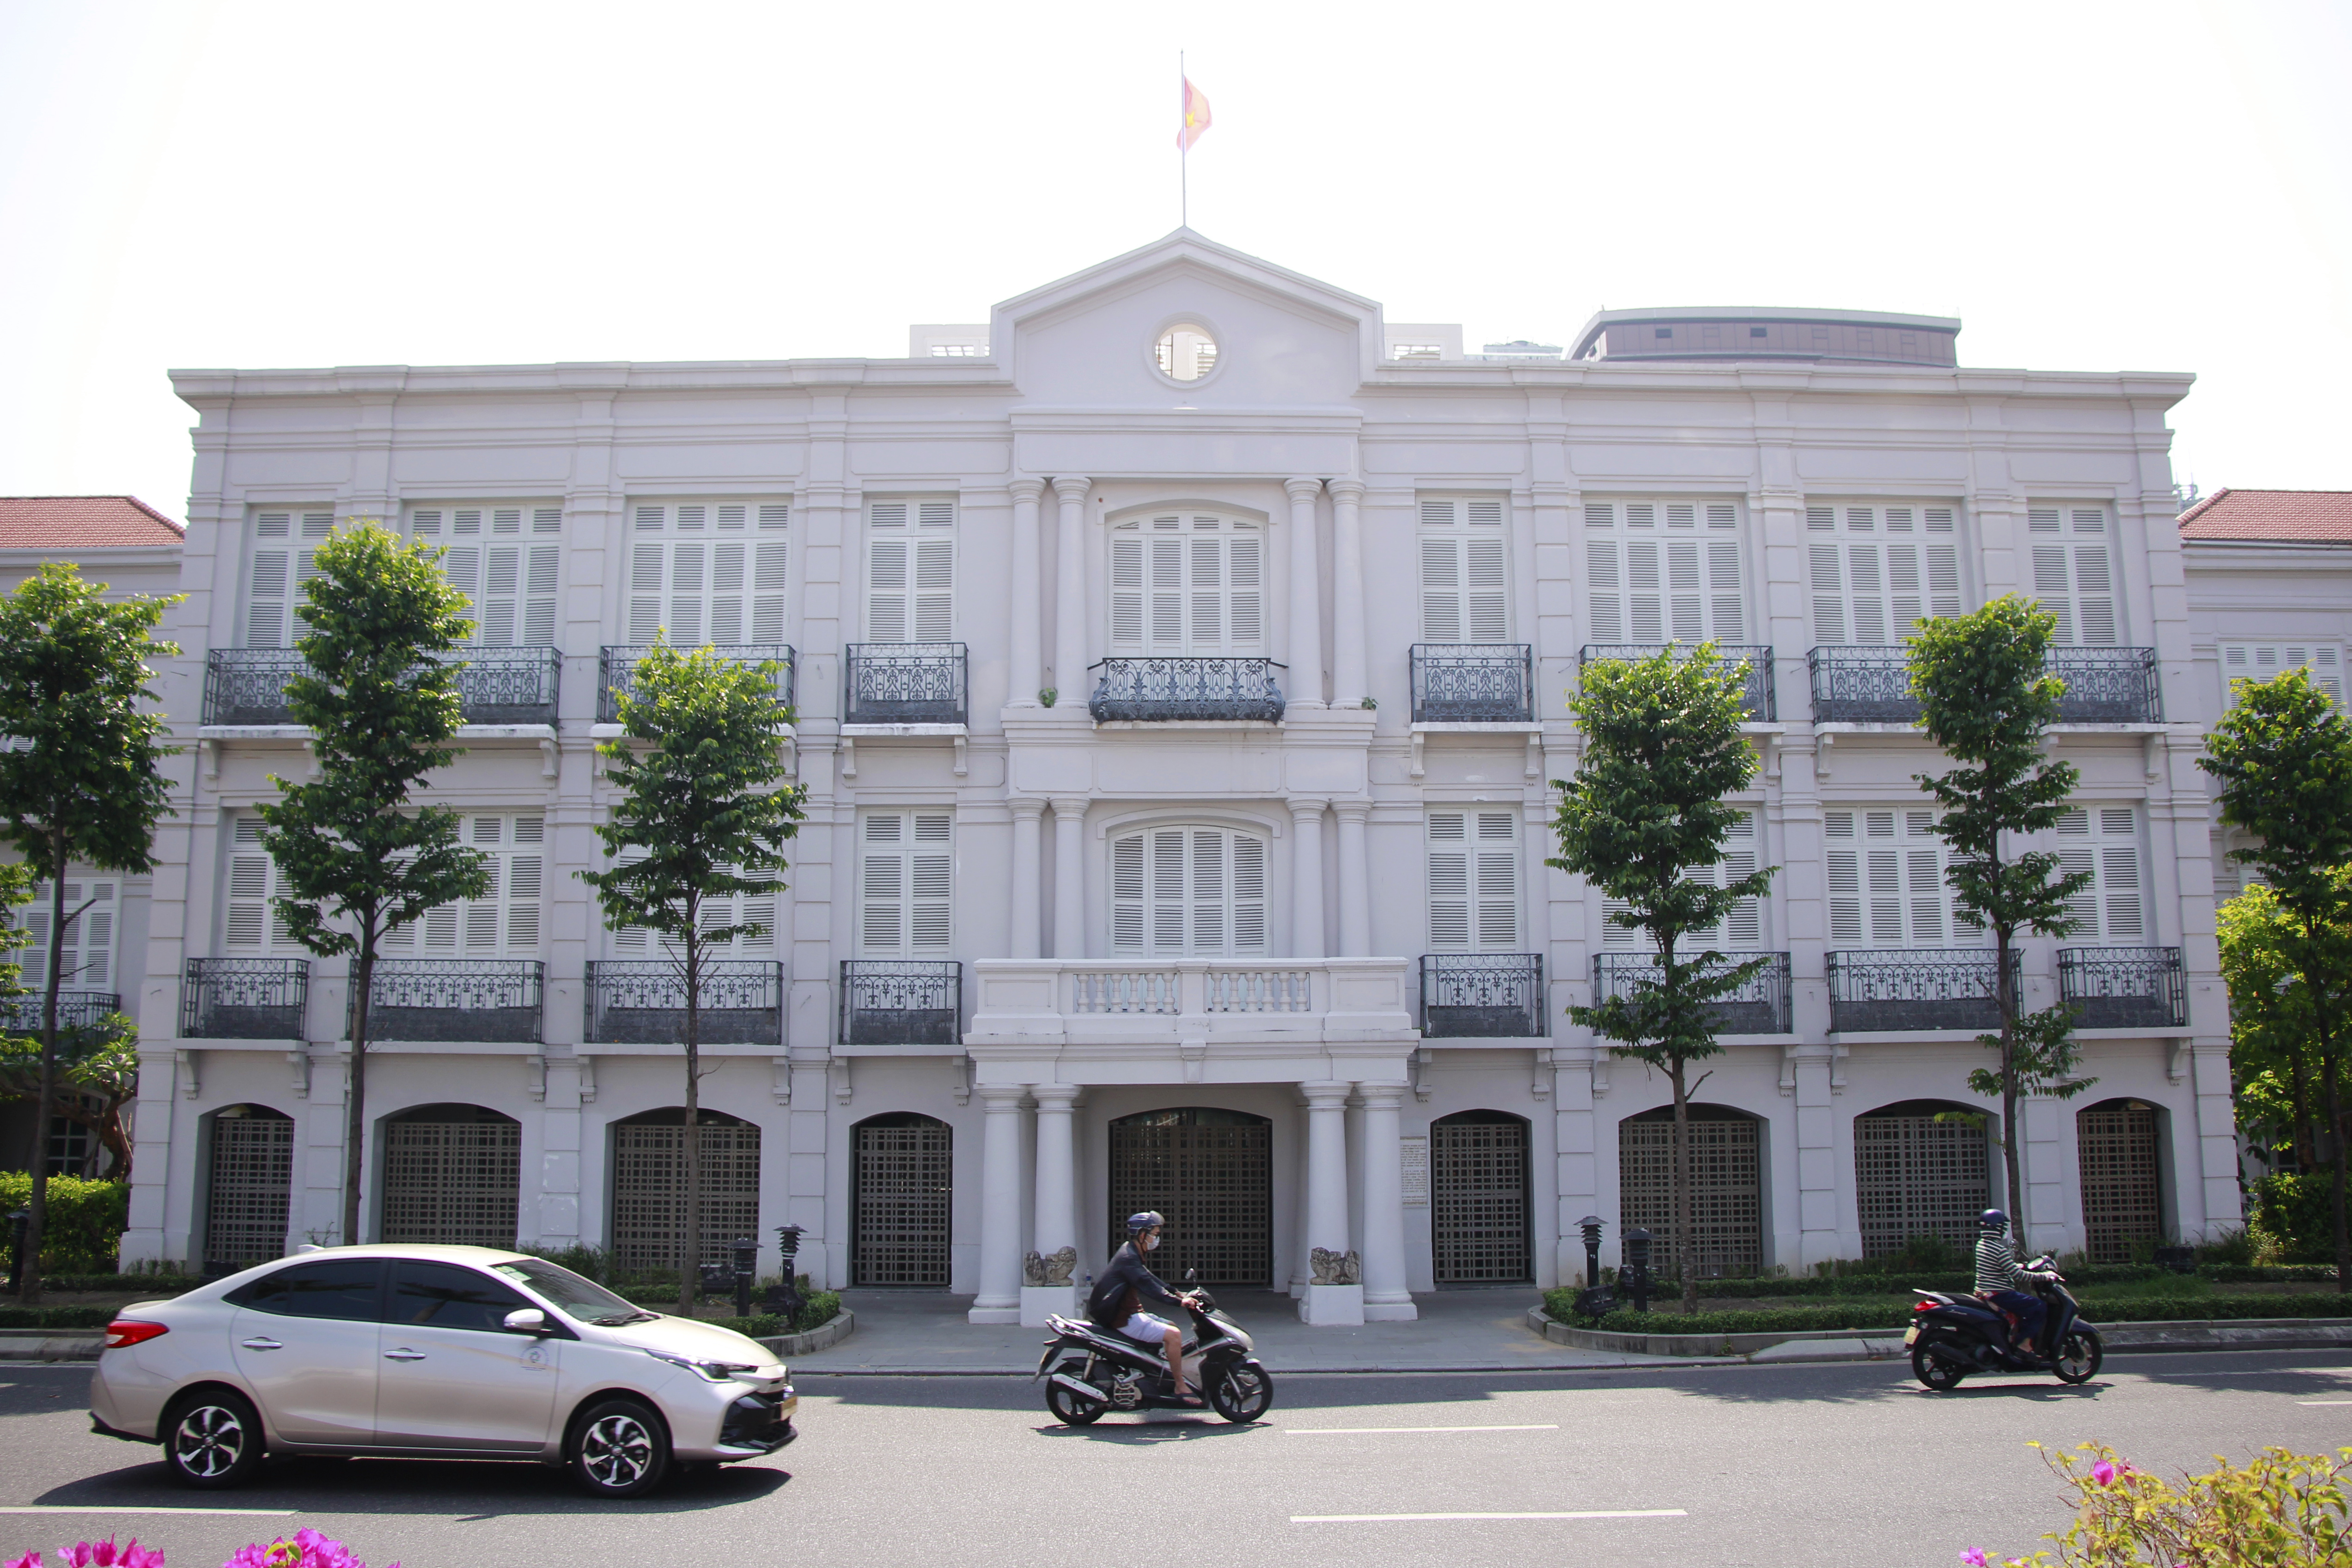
1180	661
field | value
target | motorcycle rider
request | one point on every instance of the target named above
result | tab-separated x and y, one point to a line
1998	1273
1123	1287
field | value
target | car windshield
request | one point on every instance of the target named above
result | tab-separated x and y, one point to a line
573	1296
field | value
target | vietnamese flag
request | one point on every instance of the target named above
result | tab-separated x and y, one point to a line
1196	117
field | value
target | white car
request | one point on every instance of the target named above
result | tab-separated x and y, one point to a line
434	1353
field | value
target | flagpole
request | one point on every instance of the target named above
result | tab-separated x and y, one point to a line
1184	150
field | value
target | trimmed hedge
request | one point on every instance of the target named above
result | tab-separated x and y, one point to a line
2271	1274
142	1285
55	1317
1874	1314
817	1312
84	1225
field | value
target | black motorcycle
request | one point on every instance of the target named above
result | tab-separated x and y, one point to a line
1104	1370
1952	1336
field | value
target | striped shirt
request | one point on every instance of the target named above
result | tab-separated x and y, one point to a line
1997	1265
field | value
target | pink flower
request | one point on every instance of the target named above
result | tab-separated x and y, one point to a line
1973	1557
30	1560
2106	1471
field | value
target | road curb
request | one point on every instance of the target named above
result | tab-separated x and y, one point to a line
1882	1345
51	1344
831	1331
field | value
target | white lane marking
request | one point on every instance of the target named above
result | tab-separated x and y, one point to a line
1581	1513
108	1508
2324	1402
1356	1431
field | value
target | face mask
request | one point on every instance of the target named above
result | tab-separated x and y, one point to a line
1151	1243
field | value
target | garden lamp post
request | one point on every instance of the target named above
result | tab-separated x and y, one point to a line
747	1263
1591	1225
1637	1266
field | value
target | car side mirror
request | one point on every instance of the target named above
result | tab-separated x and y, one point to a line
527	1320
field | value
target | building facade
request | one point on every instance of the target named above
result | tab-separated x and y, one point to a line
1180	663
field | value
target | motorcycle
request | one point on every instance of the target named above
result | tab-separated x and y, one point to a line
1953	1336
1107	1371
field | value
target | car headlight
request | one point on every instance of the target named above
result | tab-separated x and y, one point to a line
709	1371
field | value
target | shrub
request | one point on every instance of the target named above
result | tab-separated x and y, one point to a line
817	1310
1894	1311
2297	1212
141	1284
2280	1509
55	1317
2232	1249
85	1223
584	1259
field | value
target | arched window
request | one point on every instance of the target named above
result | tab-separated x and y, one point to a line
650	1187
905	1196
1916	1176
252	1156
1189	890
1478	1200
451	1176
2119	1147
1725	1154
1187	583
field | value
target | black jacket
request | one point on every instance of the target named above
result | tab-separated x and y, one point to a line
1123	1287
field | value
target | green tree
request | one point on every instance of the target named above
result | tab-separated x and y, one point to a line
380	696
81	783
1987	697
701	812
96	1074
2284	757
1663	746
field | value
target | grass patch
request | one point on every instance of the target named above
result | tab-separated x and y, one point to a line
2100	1308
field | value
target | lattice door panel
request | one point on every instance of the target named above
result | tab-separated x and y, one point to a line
253	1167
1478	1202
906	1185
2121	1201
1915	1176
649	1192
1726	1194
452	1183
1211	1172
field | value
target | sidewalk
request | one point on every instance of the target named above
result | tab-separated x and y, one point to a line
912	1332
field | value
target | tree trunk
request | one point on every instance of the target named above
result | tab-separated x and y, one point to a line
689	1269
2333	1076
29	1290
1685	1229
355	1097
2012	1157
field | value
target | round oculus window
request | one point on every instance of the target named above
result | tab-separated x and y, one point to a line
1186	352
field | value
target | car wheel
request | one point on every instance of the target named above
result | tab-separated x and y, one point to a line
1934	1371
619	1449
2078	1359
213	1439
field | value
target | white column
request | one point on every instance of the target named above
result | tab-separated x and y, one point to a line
1056	1211
1070	590
1069	877
1326	1203
1350	682
1028	932
998	1301
1307	879
1028	627
1355	881
1305	682
1386	1299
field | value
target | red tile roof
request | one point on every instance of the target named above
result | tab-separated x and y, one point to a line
83	522
2324	516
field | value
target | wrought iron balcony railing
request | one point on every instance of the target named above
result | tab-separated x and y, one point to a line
494	999
497	686
617	671
245	999
2124	987
76	1009
1163	689
1763	705
1760	1005
901	1001
1915	988
904	683
643	1002
1483	996
1872	685
1473	683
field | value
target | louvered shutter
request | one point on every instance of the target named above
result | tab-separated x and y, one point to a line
648	575
2261	661
1744	927
1879	570
2073	573
1126	592
1684	587
1449	882
2104	842
1189	890
1473	882
1173	592
906	882
911	571
637	940
1464	589
504	920
712	583
1886	884
87	961
284	551
253	924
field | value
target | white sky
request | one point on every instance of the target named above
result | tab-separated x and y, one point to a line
2158	185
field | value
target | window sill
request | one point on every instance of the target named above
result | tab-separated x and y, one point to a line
912	731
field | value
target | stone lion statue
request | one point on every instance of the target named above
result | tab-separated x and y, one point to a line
1038	1270
1335	1268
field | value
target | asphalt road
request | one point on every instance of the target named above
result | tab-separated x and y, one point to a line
1842	1463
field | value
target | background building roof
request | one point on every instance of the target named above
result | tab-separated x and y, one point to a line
2276	515
83	522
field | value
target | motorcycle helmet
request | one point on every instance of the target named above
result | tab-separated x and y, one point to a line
1993	1219
1149	1219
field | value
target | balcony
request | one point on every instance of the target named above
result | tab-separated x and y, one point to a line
497	999
245	999
901	1001
2124	987
643	1002
1165	1001
1760	1005
1473	683
76	1009
616	671
497	686
904	683
1160	690
1763	705
1900	990
1483	996
1872	685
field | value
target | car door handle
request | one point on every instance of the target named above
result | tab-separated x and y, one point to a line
257	1342
404	1353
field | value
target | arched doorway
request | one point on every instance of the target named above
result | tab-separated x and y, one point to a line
451	1174
251	1170
1478	1200
903	1191
2117	1148
650	1187
1915	1176
1726	1187
1210	1172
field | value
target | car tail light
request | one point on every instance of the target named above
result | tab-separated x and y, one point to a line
123	1332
